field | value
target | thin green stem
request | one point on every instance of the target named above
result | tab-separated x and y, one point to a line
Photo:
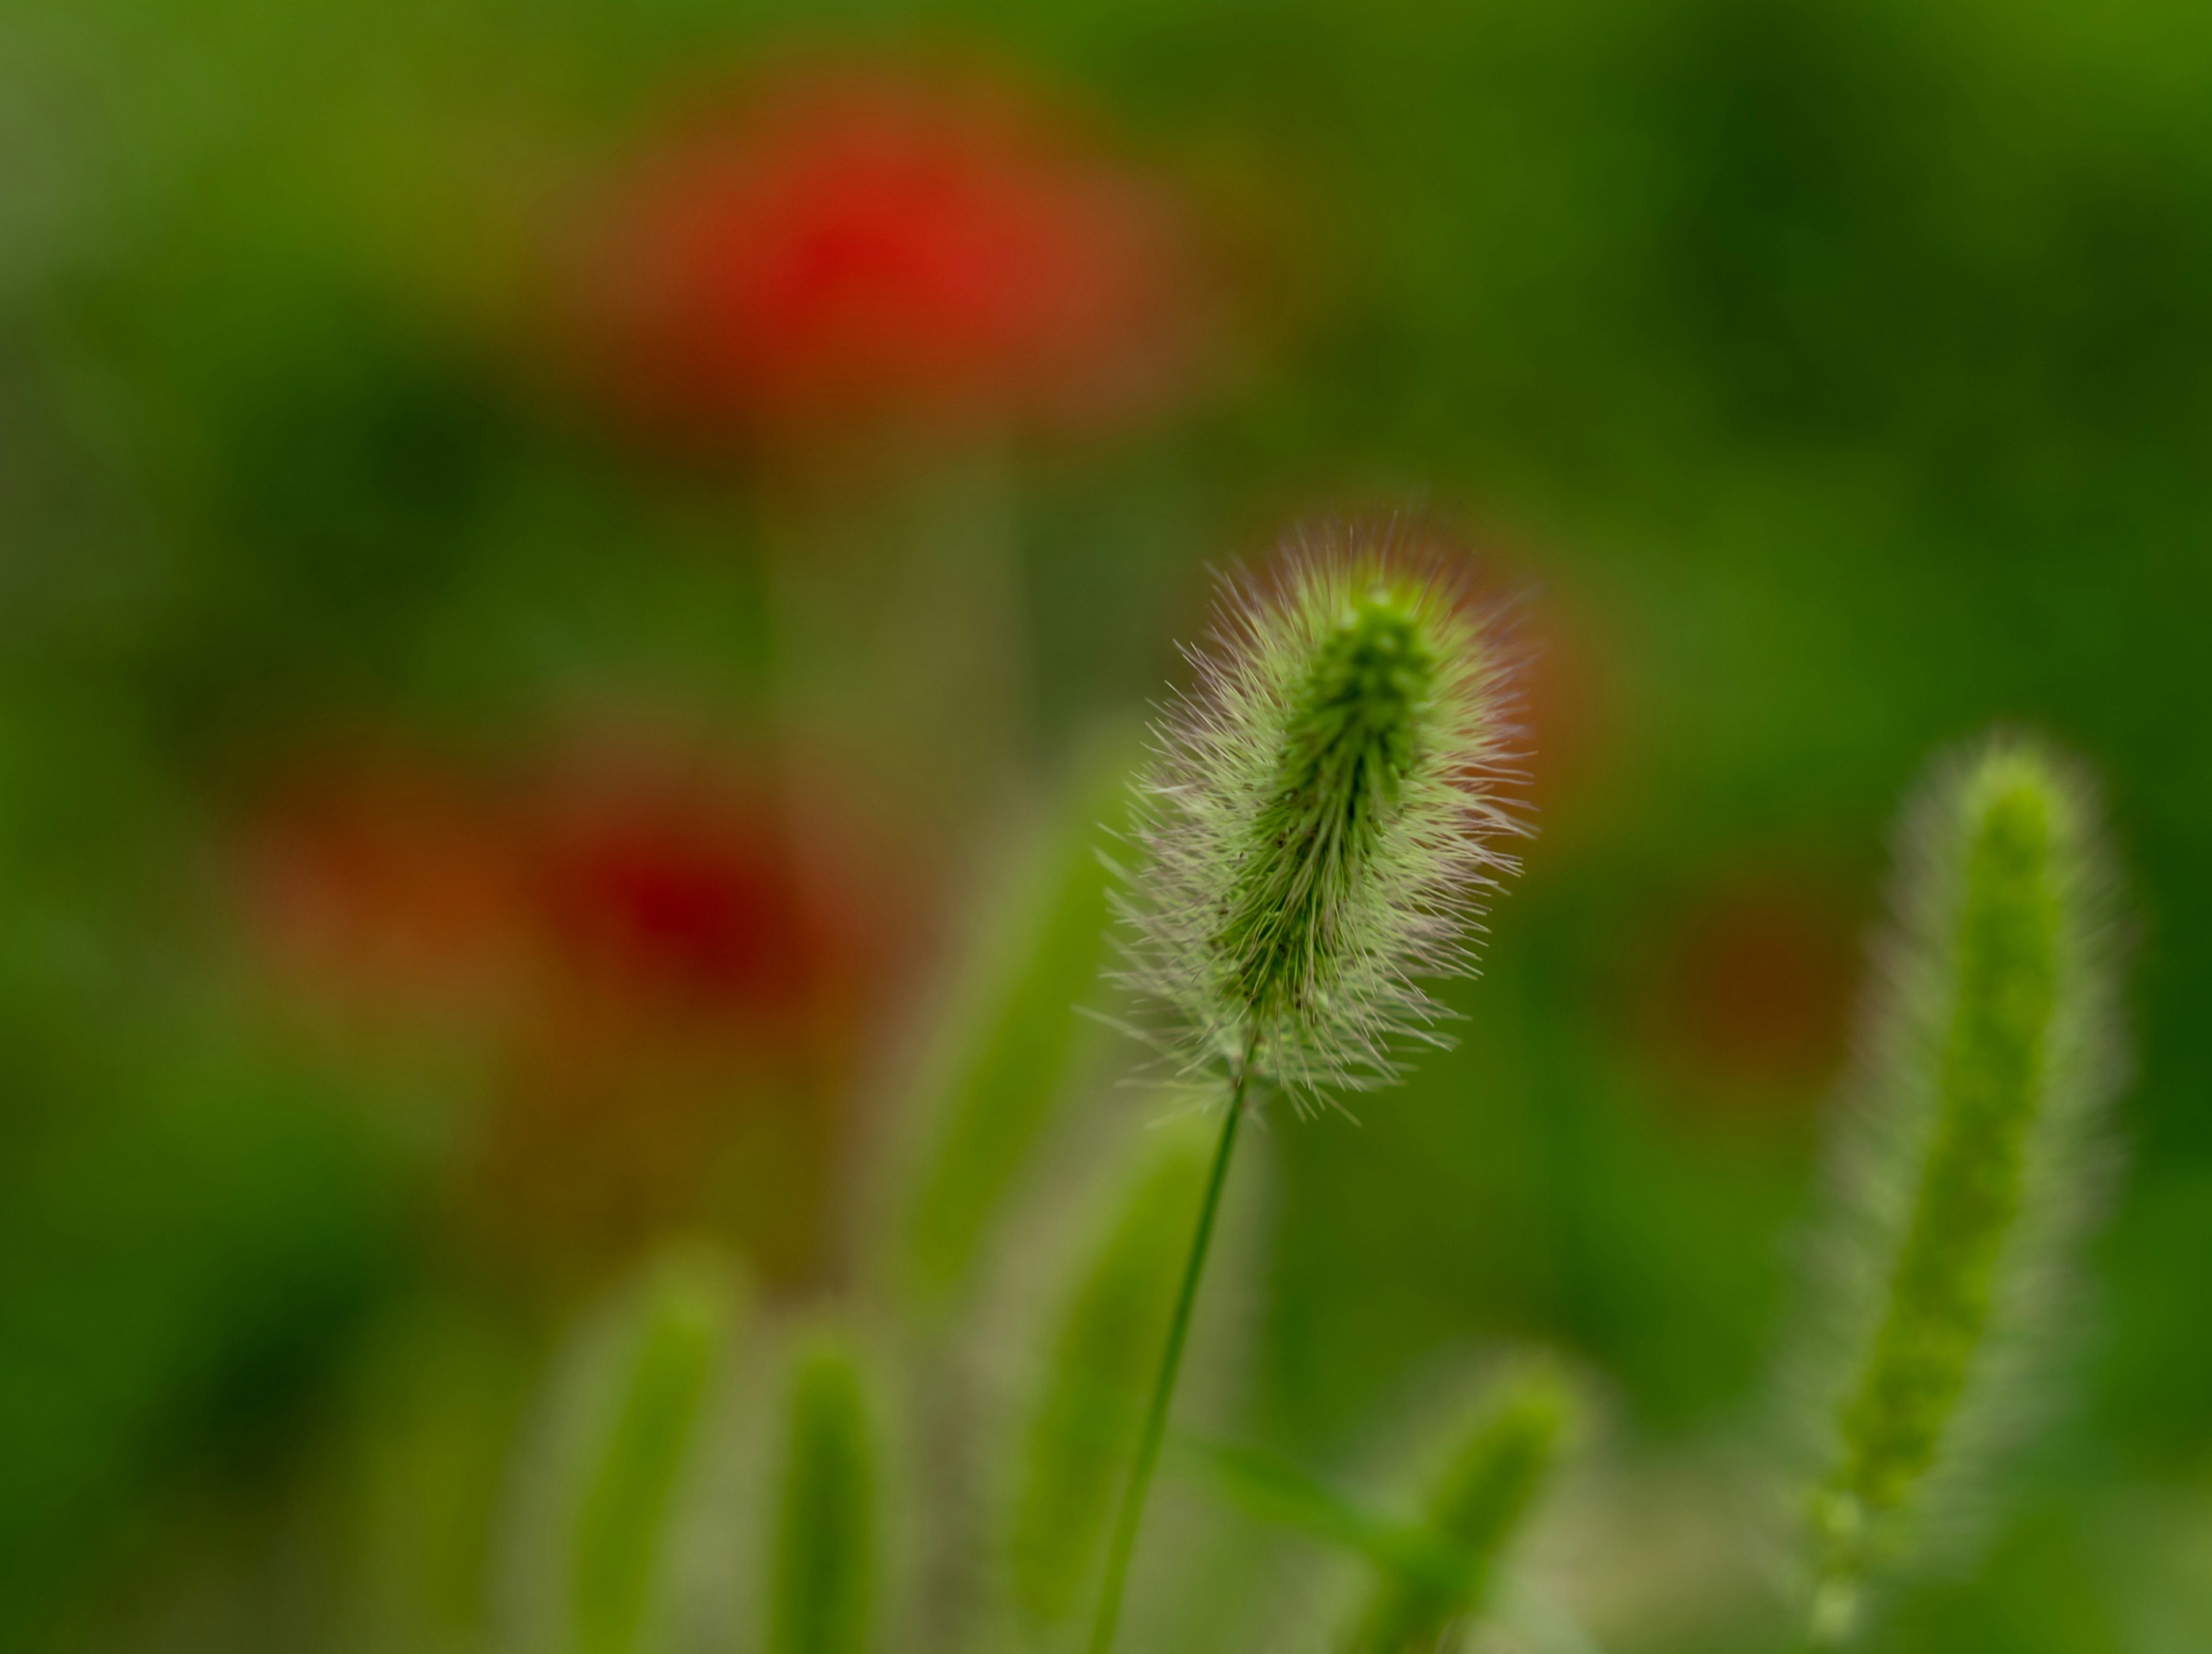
1132	1513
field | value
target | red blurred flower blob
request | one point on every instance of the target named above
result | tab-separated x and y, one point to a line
671	988
851	245
658	881
674	904
385	883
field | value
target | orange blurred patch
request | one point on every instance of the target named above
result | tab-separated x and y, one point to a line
1748	994
1570	709
377	887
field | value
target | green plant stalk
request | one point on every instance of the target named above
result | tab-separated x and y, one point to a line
1130	1517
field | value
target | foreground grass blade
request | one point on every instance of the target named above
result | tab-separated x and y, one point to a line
620	1527
1011	1059
1276	1491
1971	1157
823	1590
1482	1488
1078	1440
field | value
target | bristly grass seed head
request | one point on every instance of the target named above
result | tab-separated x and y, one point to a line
1322	817
1970	1162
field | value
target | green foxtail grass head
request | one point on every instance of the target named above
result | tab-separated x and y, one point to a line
822	1587
1967	1164
1322	817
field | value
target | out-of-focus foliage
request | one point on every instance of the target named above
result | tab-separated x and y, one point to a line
822	1598
1483	1490
1008	1052
1104	1353
1837	377
622	1521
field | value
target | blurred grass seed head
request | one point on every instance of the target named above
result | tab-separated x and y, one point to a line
1970	1162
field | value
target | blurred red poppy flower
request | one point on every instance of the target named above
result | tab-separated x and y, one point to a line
853	244
663	879
369	877
672	989
705	980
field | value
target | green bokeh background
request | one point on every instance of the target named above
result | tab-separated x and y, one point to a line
1838	375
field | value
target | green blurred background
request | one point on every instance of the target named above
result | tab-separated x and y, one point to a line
446	839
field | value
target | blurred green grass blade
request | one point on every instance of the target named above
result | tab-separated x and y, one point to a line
1275	1490
1008	1059
1078	1442
823	1587
1483	1487
620	1527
